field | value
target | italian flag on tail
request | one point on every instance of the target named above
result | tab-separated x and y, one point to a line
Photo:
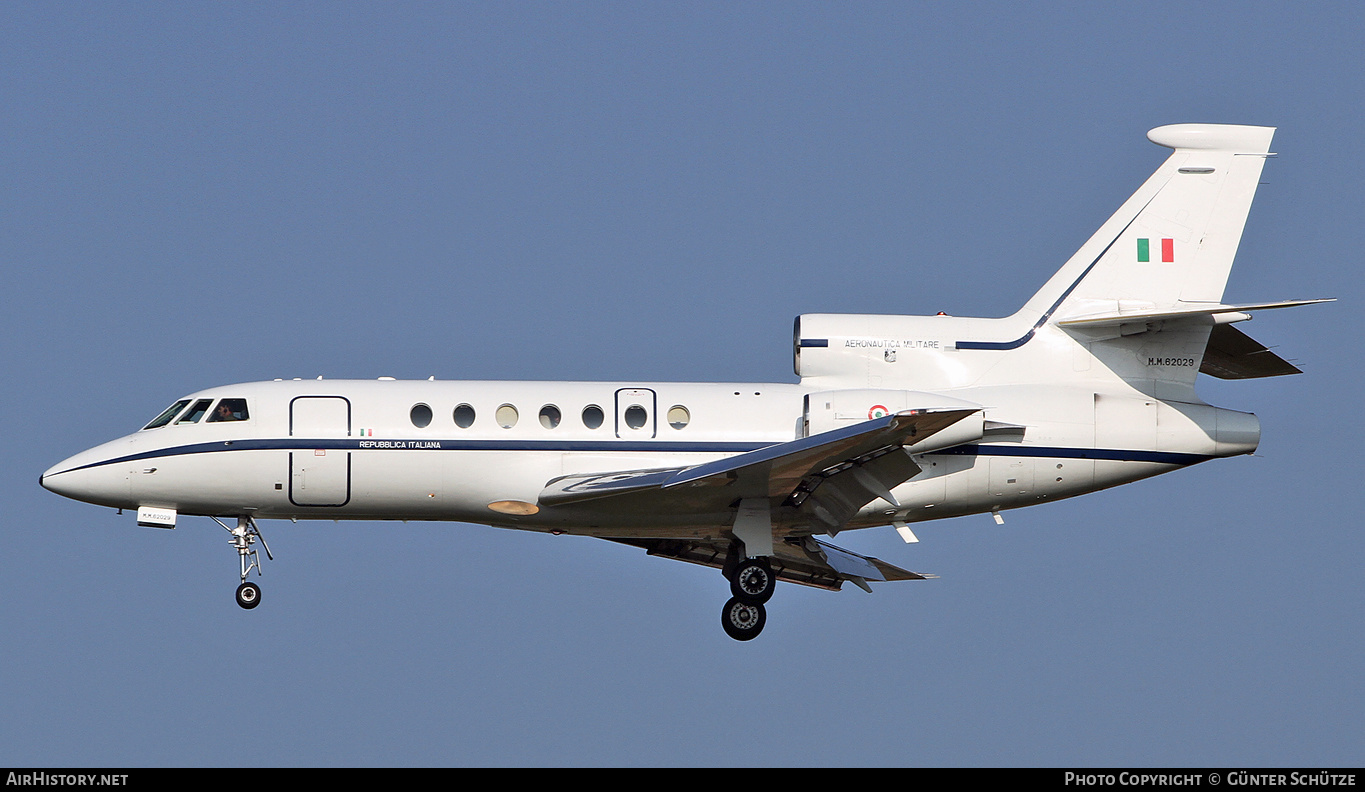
1144	250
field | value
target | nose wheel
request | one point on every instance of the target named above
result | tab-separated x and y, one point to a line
244	538
248	595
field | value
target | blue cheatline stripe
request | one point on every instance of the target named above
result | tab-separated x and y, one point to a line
351	444
1024	339
368	444
1053	452
814	342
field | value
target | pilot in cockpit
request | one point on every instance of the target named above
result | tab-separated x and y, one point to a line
230	410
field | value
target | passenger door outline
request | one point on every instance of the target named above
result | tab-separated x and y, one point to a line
322	477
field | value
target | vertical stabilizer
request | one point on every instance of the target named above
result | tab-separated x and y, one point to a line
1169	248
1166	252
1174	240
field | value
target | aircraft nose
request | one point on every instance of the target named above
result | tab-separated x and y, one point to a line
63	480
82	478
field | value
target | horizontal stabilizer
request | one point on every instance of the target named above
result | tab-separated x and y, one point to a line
804	560
1207	313
1232	354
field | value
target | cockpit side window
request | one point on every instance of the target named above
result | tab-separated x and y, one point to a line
193	414
229	410
165	417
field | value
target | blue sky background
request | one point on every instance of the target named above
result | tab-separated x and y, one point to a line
203	193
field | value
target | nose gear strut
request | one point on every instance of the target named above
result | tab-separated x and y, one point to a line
243	537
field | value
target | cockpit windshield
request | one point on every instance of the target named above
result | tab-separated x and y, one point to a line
165	417
225	410
229	410
193	414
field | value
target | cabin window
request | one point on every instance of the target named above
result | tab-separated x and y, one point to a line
507	416
420	415
678	416
165	417
196	412
464	416
593	416
636	416
549	416
229	410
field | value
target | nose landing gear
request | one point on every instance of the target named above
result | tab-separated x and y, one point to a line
248	595
243	537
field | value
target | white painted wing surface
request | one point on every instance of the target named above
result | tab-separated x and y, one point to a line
774	472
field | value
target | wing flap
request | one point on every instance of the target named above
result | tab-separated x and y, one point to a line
833	496
805	560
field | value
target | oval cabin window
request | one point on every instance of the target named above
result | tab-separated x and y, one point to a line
678	416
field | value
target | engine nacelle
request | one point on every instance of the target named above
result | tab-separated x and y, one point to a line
868	350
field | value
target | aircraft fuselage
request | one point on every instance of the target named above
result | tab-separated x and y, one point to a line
354	449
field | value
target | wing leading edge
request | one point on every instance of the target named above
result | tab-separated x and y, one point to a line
776	472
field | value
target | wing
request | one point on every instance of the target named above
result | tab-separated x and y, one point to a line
825	478
805	560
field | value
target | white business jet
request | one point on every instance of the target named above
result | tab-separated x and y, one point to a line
896	419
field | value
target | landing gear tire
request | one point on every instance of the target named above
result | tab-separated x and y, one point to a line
743	621
248	595
753	582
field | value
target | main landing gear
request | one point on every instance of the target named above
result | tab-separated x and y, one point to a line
752	583
243	537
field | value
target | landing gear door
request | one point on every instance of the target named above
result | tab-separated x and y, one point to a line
320	476
635	413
